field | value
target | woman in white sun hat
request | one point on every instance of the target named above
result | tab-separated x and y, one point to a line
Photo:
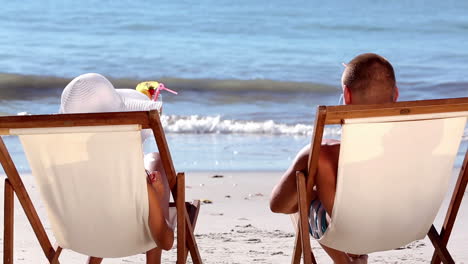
91	93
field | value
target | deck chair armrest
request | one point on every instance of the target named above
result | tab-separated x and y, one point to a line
303	223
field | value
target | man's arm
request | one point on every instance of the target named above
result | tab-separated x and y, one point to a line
284	195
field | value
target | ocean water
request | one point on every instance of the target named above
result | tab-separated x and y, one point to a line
249	73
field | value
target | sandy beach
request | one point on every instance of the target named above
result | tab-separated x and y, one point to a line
250	77
237	226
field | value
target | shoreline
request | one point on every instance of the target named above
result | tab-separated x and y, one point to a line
239	228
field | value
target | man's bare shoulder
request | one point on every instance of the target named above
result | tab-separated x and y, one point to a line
328	147
329	150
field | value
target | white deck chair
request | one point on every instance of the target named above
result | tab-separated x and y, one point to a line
394	168
93	183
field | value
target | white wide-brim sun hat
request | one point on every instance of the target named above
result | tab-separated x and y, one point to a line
93	93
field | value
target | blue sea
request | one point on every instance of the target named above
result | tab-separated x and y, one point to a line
249	73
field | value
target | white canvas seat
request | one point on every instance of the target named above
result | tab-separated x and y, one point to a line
380	201
393	174
86	175
90	172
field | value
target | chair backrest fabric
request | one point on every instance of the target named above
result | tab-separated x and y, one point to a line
393	175
93	183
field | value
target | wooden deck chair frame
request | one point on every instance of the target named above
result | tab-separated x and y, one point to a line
187	212
335	115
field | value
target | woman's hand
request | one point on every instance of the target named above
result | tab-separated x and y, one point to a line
161	187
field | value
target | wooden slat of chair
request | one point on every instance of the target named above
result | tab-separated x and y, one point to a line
158	132
439	248
316	144
181	211
454	206
303	216
74	120
336	114
25	201
191	242
58	251
297	252
8	223
193	209
305	188
183	234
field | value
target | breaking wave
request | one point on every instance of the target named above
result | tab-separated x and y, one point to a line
195	124
18	86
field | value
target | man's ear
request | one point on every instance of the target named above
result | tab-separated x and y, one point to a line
347	95
396	94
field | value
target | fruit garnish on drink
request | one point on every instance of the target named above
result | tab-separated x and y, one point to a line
152	89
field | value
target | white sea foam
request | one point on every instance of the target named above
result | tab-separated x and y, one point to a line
216	125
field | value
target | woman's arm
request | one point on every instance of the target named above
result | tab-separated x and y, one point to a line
158	219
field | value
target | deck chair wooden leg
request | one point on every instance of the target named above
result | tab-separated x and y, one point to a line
440	249
58	251
94	260
181	216
8	217
303	223
454	206
192	209
187	215
297	248
25	201
192	243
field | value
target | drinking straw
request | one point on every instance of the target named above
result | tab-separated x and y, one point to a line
159	89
